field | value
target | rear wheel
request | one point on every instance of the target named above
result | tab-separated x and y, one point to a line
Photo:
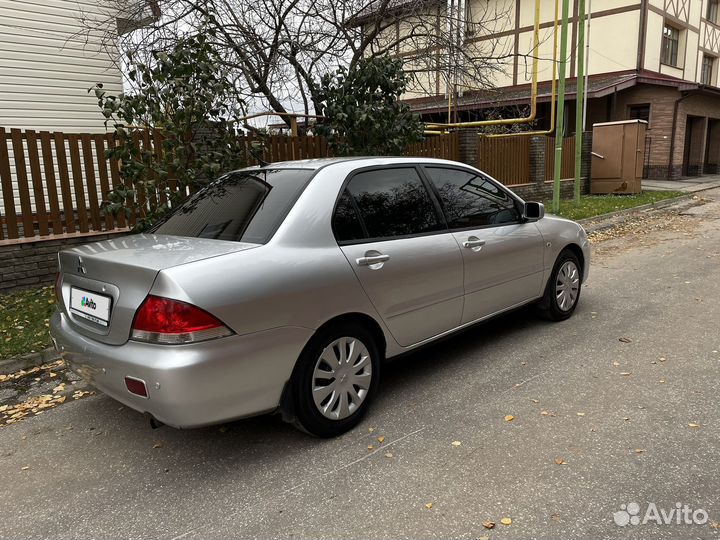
563	288
335	379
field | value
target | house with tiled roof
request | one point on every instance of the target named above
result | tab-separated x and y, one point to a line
655	60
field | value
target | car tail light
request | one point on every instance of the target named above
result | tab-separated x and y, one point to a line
167	321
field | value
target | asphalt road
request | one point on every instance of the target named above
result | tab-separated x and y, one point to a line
622	432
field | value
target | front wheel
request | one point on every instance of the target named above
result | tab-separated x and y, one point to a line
563	288
335	379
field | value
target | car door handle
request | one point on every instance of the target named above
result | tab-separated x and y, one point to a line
375	259
473	243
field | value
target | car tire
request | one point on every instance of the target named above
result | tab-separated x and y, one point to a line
335	379
562	292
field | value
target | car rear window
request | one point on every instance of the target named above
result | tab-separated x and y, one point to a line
245	206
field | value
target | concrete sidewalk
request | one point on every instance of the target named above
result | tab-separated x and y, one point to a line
689	184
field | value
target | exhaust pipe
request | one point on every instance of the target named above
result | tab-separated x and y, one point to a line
154	422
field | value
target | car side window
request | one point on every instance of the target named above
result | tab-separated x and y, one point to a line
346	222
470	200
391	202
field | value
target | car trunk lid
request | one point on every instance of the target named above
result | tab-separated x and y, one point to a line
104	283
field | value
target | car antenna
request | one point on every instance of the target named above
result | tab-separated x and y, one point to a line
256	152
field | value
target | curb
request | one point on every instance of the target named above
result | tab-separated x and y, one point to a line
25	361
607	221
693	189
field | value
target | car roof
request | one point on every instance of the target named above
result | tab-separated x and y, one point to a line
367	161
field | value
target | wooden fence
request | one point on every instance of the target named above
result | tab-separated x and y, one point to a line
567	169
507	159
510	159
442	147
54	184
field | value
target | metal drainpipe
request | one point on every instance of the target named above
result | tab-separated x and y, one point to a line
671	161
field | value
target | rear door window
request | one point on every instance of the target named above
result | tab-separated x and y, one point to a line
244	206
385	203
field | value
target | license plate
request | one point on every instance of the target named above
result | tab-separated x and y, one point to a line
90	305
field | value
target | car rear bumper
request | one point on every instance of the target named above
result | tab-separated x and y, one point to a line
188	385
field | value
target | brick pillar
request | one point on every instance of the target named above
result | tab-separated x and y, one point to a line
468	142
586	162
537	160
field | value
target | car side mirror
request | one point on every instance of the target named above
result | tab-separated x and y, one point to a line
533	211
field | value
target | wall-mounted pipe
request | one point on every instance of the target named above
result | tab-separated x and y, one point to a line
553	90
533	92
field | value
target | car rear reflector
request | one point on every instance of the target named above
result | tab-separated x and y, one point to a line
136	386
171	322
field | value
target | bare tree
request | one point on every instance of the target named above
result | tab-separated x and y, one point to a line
277	49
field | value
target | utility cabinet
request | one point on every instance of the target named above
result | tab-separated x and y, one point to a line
618	157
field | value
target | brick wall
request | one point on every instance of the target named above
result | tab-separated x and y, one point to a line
662	102
662	107
31	264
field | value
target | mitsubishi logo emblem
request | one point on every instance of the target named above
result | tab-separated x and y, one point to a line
80	267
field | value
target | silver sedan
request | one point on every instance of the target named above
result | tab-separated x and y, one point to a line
283	288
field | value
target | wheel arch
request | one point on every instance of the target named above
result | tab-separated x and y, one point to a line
578	252
362	319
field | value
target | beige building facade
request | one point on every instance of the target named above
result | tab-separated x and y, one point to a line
656	60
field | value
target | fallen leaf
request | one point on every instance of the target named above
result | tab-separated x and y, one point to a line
381	439
616	364
625	340
556	518
625	373
483	538
693	425
639	450
388	454
662	359
429	505
488	524
371	429
535	400
157	445
626	418
506	521
24	468
661	381
509	418
580	414
370	447
456	443
223	429
559	461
